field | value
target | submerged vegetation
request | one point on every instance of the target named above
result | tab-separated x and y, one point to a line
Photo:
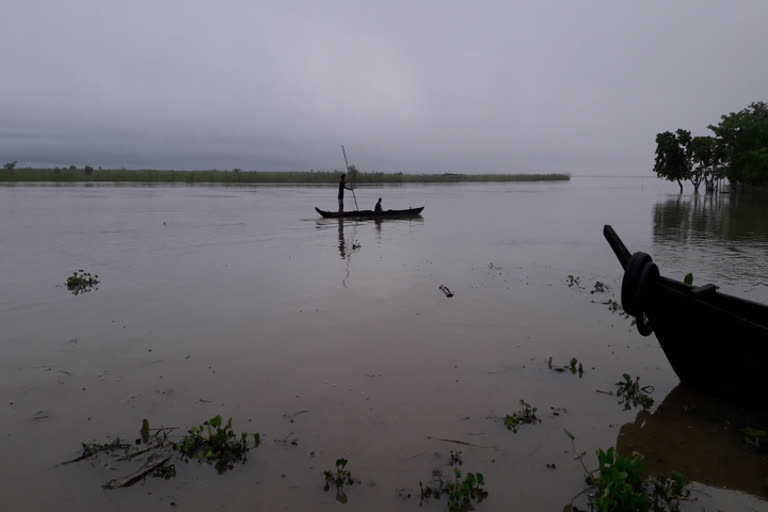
574	366
526	415
217	445
339	478
620	484
212	442
87	174
460	492
632	395
82	282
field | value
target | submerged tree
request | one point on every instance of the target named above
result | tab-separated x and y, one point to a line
743	136
673	156
707	156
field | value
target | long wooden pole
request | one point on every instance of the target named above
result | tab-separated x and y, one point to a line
347	166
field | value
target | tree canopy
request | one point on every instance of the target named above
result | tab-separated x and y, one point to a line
673	161
744	137
738	151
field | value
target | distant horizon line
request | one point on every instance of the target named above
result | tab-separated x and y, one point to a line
581	174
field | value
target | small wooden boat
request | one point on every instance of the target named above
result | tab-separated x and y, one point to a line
370	214
714	342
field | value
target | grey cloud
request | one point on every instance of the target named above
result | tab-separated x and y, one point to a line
413	86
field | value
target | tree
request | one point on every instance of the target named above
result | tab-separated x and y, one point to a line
88	170
706	156
673	156
743	136
10	165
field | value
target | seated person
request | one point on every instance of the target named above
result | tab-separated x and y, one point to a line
378	208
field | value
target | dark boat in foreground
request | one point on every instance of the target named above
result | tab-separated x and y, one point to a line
714	342
370	214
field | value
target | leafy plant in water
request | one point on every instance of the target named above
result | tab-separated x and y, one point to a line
620	482
574	366
667	491
212	443
620	486
527	414
757	438
456	459
82	282
144	431
600	287
574	281
339	479
632	395
688	279
615	307
166	471
460	492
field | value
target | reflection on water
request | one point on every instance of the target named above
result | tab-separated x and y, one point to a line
705	231
347	235
342	247
701	438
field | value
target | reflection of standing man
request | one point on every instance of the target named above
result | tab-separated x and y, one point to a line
342	253
342	186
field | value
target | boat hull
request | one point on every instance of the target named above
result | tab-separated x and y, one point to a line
370	214
714	342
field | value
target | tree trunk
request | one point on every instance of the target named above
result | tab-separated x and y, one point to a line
696	183
680	184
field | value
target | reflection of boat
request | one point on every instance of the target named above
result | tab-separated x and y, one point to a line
713	341
699	437
370	214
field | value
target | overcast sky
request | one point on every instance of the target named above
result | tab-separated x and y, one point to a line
432	86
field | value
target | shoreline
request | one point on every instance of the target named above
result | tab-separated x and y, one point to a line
22	175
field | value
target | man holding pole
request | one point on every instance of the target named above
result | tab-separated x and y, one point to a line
342	186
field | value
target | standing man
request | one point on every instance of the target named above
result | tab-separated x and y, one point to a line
342	186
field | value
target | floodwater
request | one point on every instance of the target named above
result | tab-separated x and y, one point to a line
240	301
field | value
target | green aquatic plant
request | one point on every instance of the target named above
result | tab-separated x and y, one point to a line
600	287
461	492
166	471
216	444
688	279
619	482
574	366
455	458
632	395
212	442
667	491
573	281
144	432
526	414
620	485
81	282
340	478
757	438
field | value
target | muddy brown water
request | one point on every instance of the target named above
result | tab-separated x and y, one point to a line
240	301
